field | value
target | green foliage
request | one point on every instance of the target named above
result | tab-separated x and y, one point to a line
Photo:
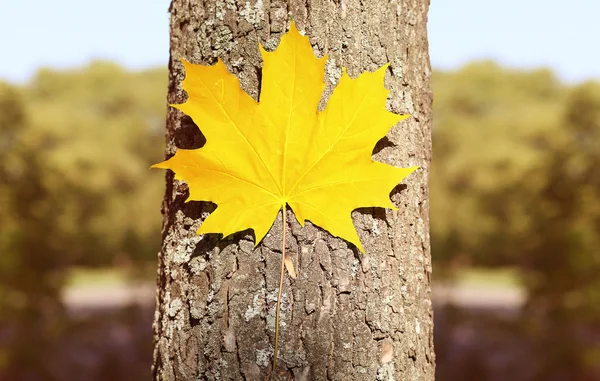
90	135
488	123
75	187
516	182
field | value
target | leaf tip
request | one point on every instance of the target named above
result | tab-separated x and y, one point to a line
403	116
161	165
187	66
380	73
405	172
263	51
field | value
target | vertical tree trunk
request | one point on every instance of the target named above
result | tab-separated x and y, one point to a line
346	316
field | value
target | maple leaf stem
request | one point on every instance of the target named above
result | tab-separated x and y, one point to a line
280	289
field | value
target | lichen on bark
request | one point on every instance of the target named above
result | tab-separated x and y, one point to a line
346	316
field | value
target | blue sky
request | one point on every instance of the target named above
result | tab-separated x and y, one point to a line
520	33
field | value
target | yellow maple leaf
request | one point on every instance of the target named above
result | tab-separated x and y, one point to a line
261	156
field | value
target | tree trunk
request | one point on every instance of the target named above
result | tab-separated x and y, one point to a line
346	316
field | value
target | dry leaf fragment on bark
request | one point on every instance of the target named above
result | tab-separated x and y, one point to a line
289	266
261	156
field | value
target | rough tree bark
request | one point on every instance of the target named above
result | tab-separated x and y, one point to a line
346	316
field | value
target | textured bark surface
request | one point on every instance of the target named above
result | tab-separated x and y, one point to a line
346	316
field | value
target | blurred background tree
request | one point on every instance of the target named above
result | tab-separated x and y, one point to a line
516	182
75	190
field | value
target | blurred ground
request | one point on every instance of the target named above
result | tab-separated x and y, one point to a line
478	329
111	289
461	308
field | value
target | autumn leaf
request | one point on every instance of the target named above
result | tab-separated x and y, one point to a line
261	156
